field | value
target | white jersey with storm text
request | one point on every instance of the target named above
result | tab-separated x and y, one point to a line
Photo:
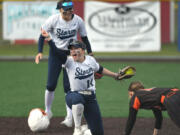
81	75
61	31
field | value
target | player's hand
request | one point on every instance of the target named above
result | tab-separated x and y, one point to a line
38	57
155	131
44	33
125	73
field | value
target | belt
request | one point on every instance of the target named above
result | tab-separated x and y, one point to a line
86	92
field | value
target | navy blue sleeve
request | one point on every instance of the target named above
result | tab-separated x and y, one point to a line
86	42
100	69
40	43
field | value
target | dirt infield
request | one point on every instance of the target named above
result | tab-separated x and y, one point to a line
112	126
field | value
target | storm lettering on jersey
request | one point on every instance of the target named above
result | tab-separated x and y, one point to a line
83	74
63	34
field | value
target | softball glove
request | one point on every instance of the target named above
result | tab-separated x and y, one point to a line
126	73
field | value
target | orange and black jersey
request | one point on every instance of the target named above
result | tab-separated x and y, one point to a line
149	98
153	99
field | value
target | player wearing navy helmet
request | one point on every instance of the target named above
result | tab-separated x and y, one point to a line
62	28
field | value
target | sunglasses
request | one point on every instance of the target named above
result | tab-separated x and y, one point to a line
65	4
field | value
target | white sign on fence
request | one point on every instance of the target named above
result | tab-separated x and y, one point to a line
123	27
23	20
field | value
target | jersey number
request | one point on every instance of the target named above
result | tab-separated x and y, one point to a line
89	83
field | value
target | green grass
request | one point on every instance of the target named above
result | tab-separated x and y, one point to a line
23	85
31	50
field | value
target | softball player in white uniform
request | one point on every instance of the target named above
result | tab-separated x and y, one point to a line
82	97
62	28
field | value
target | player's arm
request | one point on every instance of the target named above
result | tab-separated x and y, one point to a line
88	46
158	121
40	49
104	71
46	27
131	120
83	34
122	74
134	106
109	73
42	37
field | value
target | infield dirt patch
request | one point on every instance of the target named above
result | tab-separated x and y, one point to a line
112	126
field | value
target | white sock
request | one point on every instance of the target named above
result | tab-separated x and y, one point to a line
69	112
77	112
49	97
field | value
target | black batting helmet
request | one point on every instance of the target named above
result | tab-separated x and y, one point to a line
77	44
65	4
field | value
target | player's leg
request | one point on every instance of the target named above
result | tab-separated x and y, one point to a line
93	116
172	104
76	102
54	69
68	121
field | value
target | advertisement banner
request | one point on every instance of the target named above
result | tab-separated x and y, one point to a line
127	27
23	20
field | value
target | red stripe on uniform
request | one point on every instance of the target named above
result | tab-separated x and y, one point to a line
136	104
162	99
175	89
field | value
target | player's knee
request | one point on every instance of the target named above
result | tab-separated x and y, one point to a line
74	98
50	88
68	100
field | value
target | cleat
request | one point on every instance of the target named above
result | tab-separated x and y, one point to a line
67	122
84	128
77	131
87	132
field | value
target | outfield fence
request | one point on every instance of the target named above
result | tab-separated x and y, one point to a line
167	20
